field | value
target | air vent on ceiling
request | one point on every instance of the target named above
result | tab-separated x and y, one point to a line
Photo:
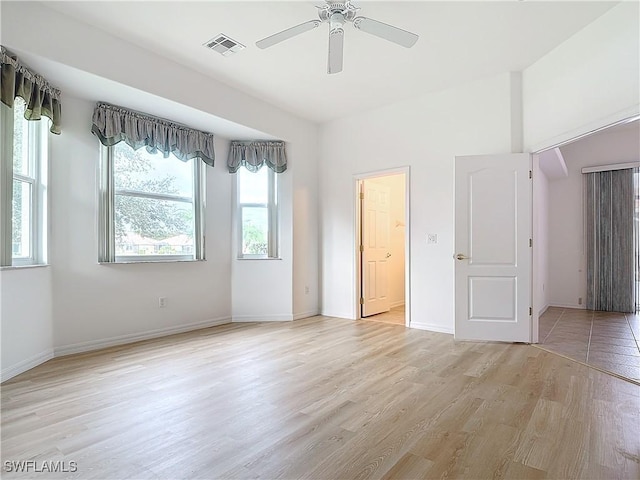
224	45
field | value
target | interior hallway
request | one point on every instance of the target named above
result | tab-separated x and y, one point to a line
606	340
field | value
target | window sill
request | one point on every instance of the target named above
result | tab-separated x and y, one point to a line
21	267
257	258
130	262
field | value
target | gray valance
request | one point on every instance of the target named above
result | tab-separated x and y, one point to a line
112	124
253	155
16	80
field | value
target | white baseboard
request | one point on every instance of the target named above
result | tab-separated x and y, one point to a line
300	316
136	337
542	310
431	328
261	318
25	365
397	304
337	315
560	305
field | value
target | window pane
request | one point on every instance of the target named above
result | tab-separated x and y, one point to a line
20	139
151	173
254	187
255	231
21	220
145	226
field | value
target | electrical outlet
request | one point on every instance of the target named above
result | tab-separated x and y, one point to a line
432	238
162	302
579	300
306	290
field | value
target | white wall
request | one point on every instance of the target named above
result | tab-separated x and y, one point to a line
262	289
425	133
26	319
306	228
396	184
567	272
589	81
274	289
97	304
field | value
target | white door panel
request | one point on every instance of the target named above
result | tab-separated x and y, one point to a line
375	241
493	254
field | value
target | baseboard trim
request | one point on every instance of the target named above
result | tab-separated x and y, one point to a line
27	364
337	315
544	309
431	328
397	304
261	318
136	337
559	305
300	316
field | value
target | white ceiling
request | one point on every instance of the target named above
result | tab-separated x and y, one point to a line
459	42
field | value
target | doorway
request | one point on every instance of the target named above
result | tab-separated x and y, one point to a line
382	246
609	341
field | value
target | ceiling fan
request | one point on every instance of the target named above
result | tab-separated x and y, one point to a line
336	14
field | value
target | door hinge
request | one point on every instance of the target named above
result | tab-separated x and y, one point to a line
531	242
361	301
361	195
362	248
530	311
530	174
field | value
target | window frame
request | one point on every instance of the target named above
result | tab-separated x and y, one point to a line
38	179
106	218
273	213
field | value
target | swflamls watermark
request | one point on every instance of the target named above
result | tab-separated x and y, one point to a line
45	466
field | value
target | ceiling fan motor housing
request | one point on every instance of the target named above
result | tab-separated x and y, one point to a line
345	9
336	21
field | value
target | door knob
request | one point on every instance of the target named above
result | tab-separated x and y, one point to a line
388	255
460	256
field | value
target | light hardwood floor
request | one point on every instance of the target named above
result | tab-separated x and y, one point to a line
322	398
395	316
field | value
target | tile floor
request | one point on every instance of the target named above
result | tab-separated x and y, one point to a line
606	340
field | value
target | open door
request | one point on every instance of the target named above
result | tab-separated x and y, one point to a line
493	248
375	200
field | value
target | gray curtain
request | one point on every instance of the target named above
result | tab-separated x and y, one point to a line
609	210
113	124
17	80
253	155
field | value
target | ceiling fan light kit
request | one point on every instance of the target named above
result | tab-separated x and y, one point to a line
336	14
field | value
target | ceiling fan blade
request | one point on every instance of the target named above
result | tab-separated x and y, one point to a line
388	32
288	33
336	46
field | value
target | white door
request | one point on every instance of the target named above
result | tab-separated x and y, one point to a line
375	248
493	248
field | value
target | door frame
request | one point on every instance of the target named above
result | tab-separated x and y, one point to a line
407	237
625	116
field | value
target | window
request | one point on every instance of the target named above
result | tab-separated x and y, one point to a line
24	167
257	214
151	206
